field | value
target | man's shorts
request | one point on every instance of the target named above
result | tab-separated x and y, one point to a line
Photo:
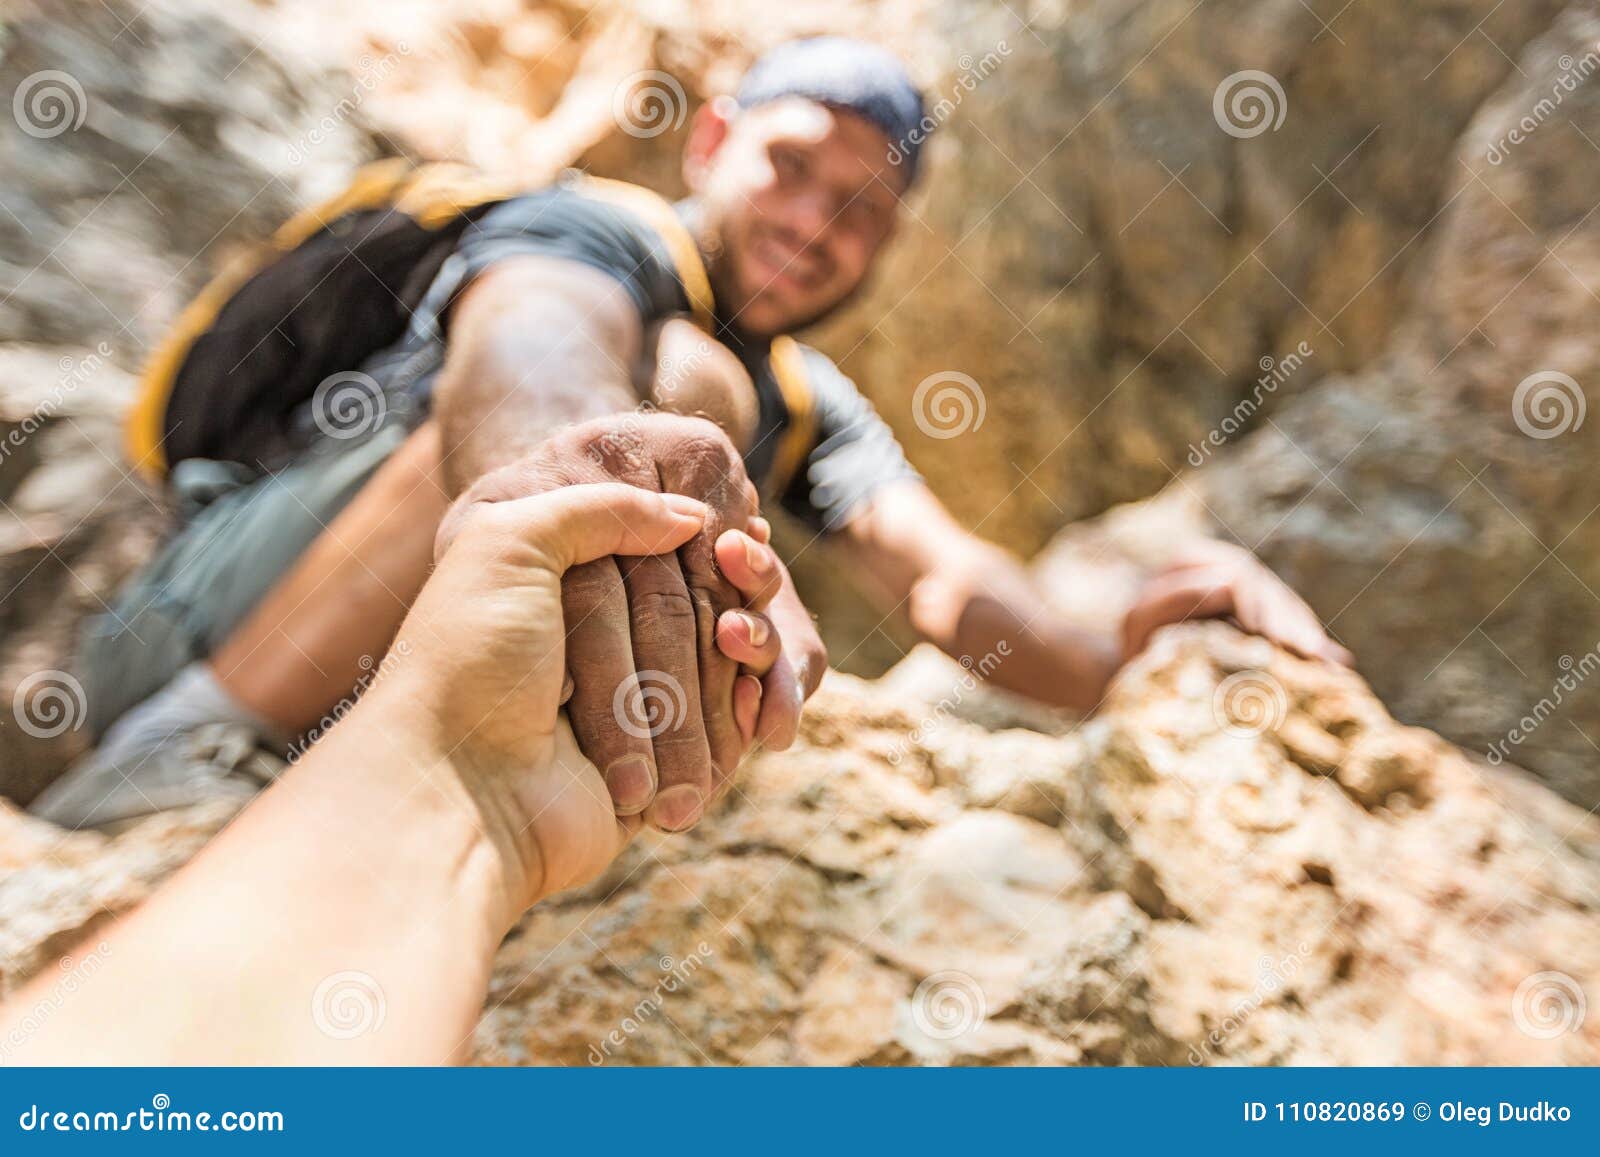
238	535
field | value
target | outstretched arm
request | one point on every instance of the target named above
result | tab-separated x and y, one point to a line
536	344
540	390
968	597
351	914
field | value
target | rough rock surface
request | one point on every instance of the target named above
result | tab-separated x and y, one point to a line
936	875
1437	507
1242	860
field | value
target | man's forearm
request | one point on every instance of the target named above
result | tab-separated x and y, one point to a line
998	620
331	908
535	346
976	601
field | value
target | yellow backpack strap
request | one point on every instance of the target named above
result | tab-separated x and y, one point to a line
433	195
659	214
437	194
142	436
795	443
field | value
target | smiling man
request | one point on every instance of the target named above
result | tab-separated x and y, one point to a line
532	334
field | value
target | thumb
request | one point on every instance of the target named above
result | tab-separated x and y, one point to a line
579	524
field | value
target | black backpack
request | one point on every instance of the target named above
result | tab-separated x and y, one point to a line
339	283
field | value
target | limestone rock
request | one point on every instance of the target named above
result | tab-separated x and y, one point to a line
1208	893
1438	508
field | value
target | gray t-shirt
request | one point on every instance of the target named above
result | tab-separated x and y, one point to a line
852	452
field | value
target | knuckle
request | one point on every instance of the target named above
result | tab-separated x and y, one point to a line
682	756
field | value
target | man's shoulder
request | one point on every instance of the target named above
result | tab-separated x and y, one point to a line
579	202
622	230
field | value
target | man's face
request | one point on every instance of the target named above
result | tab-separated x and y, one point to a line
797	199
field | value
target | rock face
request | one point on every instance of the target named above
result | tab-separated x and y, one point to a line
122	113
1436	508
1358	340
144	143
1439	507
1242	860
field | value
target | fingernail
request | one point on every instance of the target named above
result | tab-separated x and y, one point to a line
757	685
678	807
631	781
756	556
759	631
683	504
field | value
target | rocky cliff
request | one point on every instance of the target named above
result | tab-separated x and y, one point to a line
1243	860
1313	276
